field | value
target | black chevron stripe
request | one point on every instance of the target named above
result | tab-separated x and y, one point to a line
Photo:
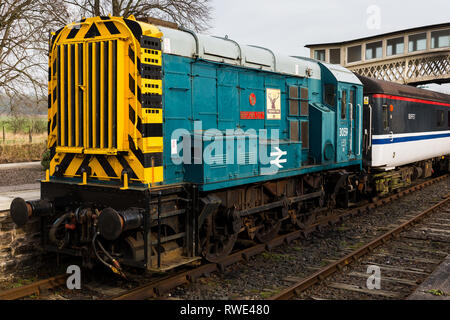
127	167
66	162
106	166
83	164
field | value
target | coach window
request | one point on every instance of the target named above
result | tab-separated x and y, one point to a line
440	118
344	105
385	117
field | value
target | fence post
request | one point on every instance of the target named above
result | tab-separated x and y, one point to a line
29	136
4	137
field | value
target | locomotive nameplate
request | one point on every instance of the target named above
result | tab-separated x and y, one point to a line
248	115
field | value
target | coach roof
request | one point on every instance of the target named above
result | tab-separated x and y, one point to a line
373	86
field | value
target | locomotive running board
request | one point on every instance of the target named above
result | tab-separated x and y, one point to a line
172	260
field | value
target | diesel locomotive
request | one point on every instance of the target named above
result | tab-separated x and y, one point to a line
167	146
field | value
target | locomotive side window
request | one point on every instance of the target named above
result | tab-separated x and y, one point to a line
330	95
304	102
304	133
293	124
344	105
293	101
385	117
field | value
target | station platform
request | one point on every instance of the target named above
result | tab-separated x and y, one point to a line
25	191
436	286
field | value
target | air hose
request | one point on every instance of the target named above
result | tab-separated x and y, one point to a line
52	233
115	267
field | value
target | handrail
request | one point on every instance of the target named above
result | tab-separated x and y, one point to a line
273	54
360	127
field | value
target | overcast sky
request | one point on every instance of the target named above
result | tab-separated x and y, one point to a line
286	26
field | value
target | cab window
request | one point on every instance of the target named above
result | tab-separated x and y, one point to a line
330	94
344	105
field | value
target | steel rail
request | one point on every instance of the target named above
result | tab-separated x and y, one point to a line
33	288
355	255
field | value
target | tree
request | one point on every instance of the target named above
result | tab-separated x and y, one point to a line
194	14
25	27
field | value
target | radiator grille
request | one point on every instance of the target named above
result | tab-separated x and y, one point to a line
87	95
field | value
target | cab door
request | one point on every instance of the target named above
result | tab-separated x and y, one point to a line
353	138
344	135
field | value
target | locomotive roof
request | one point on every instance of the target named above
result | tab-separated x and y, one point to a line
223	50
372	86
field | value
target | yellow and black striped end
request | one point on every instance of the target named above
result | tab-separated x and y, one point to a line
105	101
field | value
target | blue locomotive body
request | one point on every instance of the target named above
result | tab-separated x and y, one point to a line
222	127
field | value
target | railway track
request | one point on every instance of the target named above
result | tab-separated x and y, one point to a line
162	286
157	289
400	244
34	288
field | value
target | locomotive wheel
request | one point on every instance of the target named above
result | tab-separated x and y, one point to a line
216	242
268	231
305	224
219	248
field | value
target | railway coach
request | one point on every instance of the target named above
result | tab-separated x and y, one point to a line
406	133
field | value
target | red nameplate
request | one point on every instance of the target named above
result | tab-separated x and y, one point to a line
252	115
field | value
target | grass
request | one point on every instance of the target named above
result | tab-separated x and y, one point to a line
15	145
16	129
18	124
272	256
356	245
22	152
23	282
266	294
435	292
